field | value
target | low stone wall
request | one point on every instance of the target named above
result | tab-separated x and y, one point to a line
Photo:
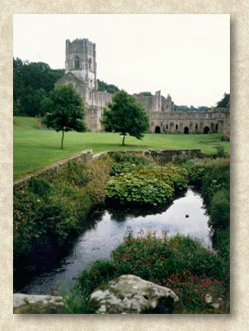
53	170
166	155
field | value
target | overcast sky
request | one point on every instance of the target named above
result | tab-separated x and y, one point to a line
186	56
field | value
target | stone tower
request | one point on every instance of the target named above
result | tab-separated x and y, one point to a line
81	61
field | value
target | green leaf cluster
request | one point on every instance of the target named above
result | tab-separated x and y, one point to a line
125	115
180	263
53	211
137	184
139	188
212	177
64	110
31	83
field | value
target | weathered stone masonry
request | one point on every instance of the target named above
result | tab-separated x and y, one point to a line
81	72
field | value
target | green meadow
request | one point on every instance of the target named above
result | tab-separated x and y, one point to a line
36	148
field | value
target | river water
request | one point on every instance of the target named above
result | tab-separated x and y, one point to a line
185	216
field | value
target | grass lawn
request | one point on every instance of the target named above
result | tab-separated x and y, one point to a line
35	148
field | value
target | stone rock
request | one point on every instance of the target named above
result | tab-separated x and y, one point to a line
215	305
208	298
37	304
129	294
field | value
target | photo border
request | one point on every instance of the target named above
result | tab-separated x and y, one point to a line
238	318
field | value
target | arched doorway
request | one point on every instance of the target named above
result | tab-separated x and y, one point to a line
157	129
206	129
186	131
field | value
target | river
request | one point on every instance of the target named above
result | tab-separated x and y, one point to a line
185	216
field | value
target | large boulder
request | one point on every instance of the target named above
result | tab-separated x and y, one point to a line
37	304
129	294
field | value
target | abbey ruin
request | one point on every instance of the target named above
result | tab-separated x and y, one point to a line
81	72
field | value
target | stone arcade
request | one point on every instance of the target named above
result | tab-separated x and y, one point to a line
81	71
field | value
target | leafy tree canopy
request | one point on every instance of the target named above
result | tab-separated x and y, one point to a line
191	108
224	102
145	94
125	115
64	110
31	83
104	87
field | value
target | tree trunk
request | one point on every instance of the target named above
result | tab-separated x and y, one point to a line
123	142
62	139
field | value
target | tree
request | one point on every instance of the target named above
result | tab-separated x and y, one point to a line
125	115
110	88
224	102
64	110
15	108
145	94
31	82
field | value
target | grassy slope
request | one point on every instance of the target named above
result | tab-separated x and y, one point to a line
34	148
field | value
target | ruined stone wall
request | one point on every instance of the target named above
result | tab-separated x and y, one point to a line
167	104
213	121
98	99
151	103
79	85
81	71
95	102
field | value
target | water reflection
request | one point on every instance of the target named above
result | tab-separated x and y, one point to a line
99	241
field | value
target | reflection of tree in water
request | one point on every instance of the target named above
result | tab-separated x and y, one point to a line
44	260
119	212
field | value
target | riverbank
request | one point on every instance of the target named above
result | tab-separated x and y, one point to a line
180	263
92	183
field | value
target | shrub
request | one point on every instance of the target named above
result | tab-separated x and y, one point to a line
220	151
150	257
196	171
213	179
39	185
54	211
156	185
173	175
97	191
180	263
98	170
131	158
119	168
219	210
216	177
139	188
221	243
24	220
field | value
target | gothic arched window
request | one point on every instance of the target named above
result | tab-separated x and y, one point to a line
76	62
